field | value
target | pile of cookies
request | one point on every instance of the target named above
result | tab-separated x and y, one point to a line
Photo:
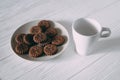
42	40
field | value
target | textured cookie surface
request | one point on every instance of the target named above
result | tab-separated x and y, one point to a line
35	51
51	32
28	39
44	24
50	49
35	30
58	40
21	48
45	43
19	38
39	38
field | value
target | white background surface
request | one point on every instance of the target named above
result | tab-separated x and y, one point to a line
102	64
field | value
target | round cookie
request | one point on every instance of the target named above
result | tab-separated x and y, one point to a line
58	40
35	30
28	39
45	43
44	24
50	49
21	48
35	51
39	37
19	38
51	32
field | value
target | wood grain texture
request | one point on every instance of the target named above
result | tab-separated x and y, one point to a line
102	64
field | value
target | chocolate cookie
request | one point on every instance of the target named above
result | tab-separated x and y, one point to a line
45	43
35	51
19	38
35	30
44	24
39	37
51	32
58	40
28	39
50	49
21	49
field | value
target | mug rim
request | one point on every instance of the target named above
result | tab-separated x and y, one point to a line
99	29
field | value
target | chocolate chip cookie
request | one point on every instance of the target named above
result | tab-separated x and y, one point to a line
35	51
50	49
35	30
45	43
58	40
21	48
51	32
19	38
44	24
39	37
28	39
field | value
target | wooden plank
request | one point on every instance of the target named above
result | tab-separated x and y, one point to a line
100	69
14	66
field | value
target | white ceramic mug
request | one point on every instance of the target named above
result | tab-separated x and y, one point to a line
86	32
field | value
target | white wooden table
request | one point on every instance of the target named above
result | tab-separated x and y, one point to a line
102	64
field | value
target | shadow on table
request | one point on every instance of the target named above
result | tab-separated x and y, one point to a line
106	45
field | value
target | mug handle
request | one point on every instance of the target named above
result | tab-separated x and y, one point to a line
106	32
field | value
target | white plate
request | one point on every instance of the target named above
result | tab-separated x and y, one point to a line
25	28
